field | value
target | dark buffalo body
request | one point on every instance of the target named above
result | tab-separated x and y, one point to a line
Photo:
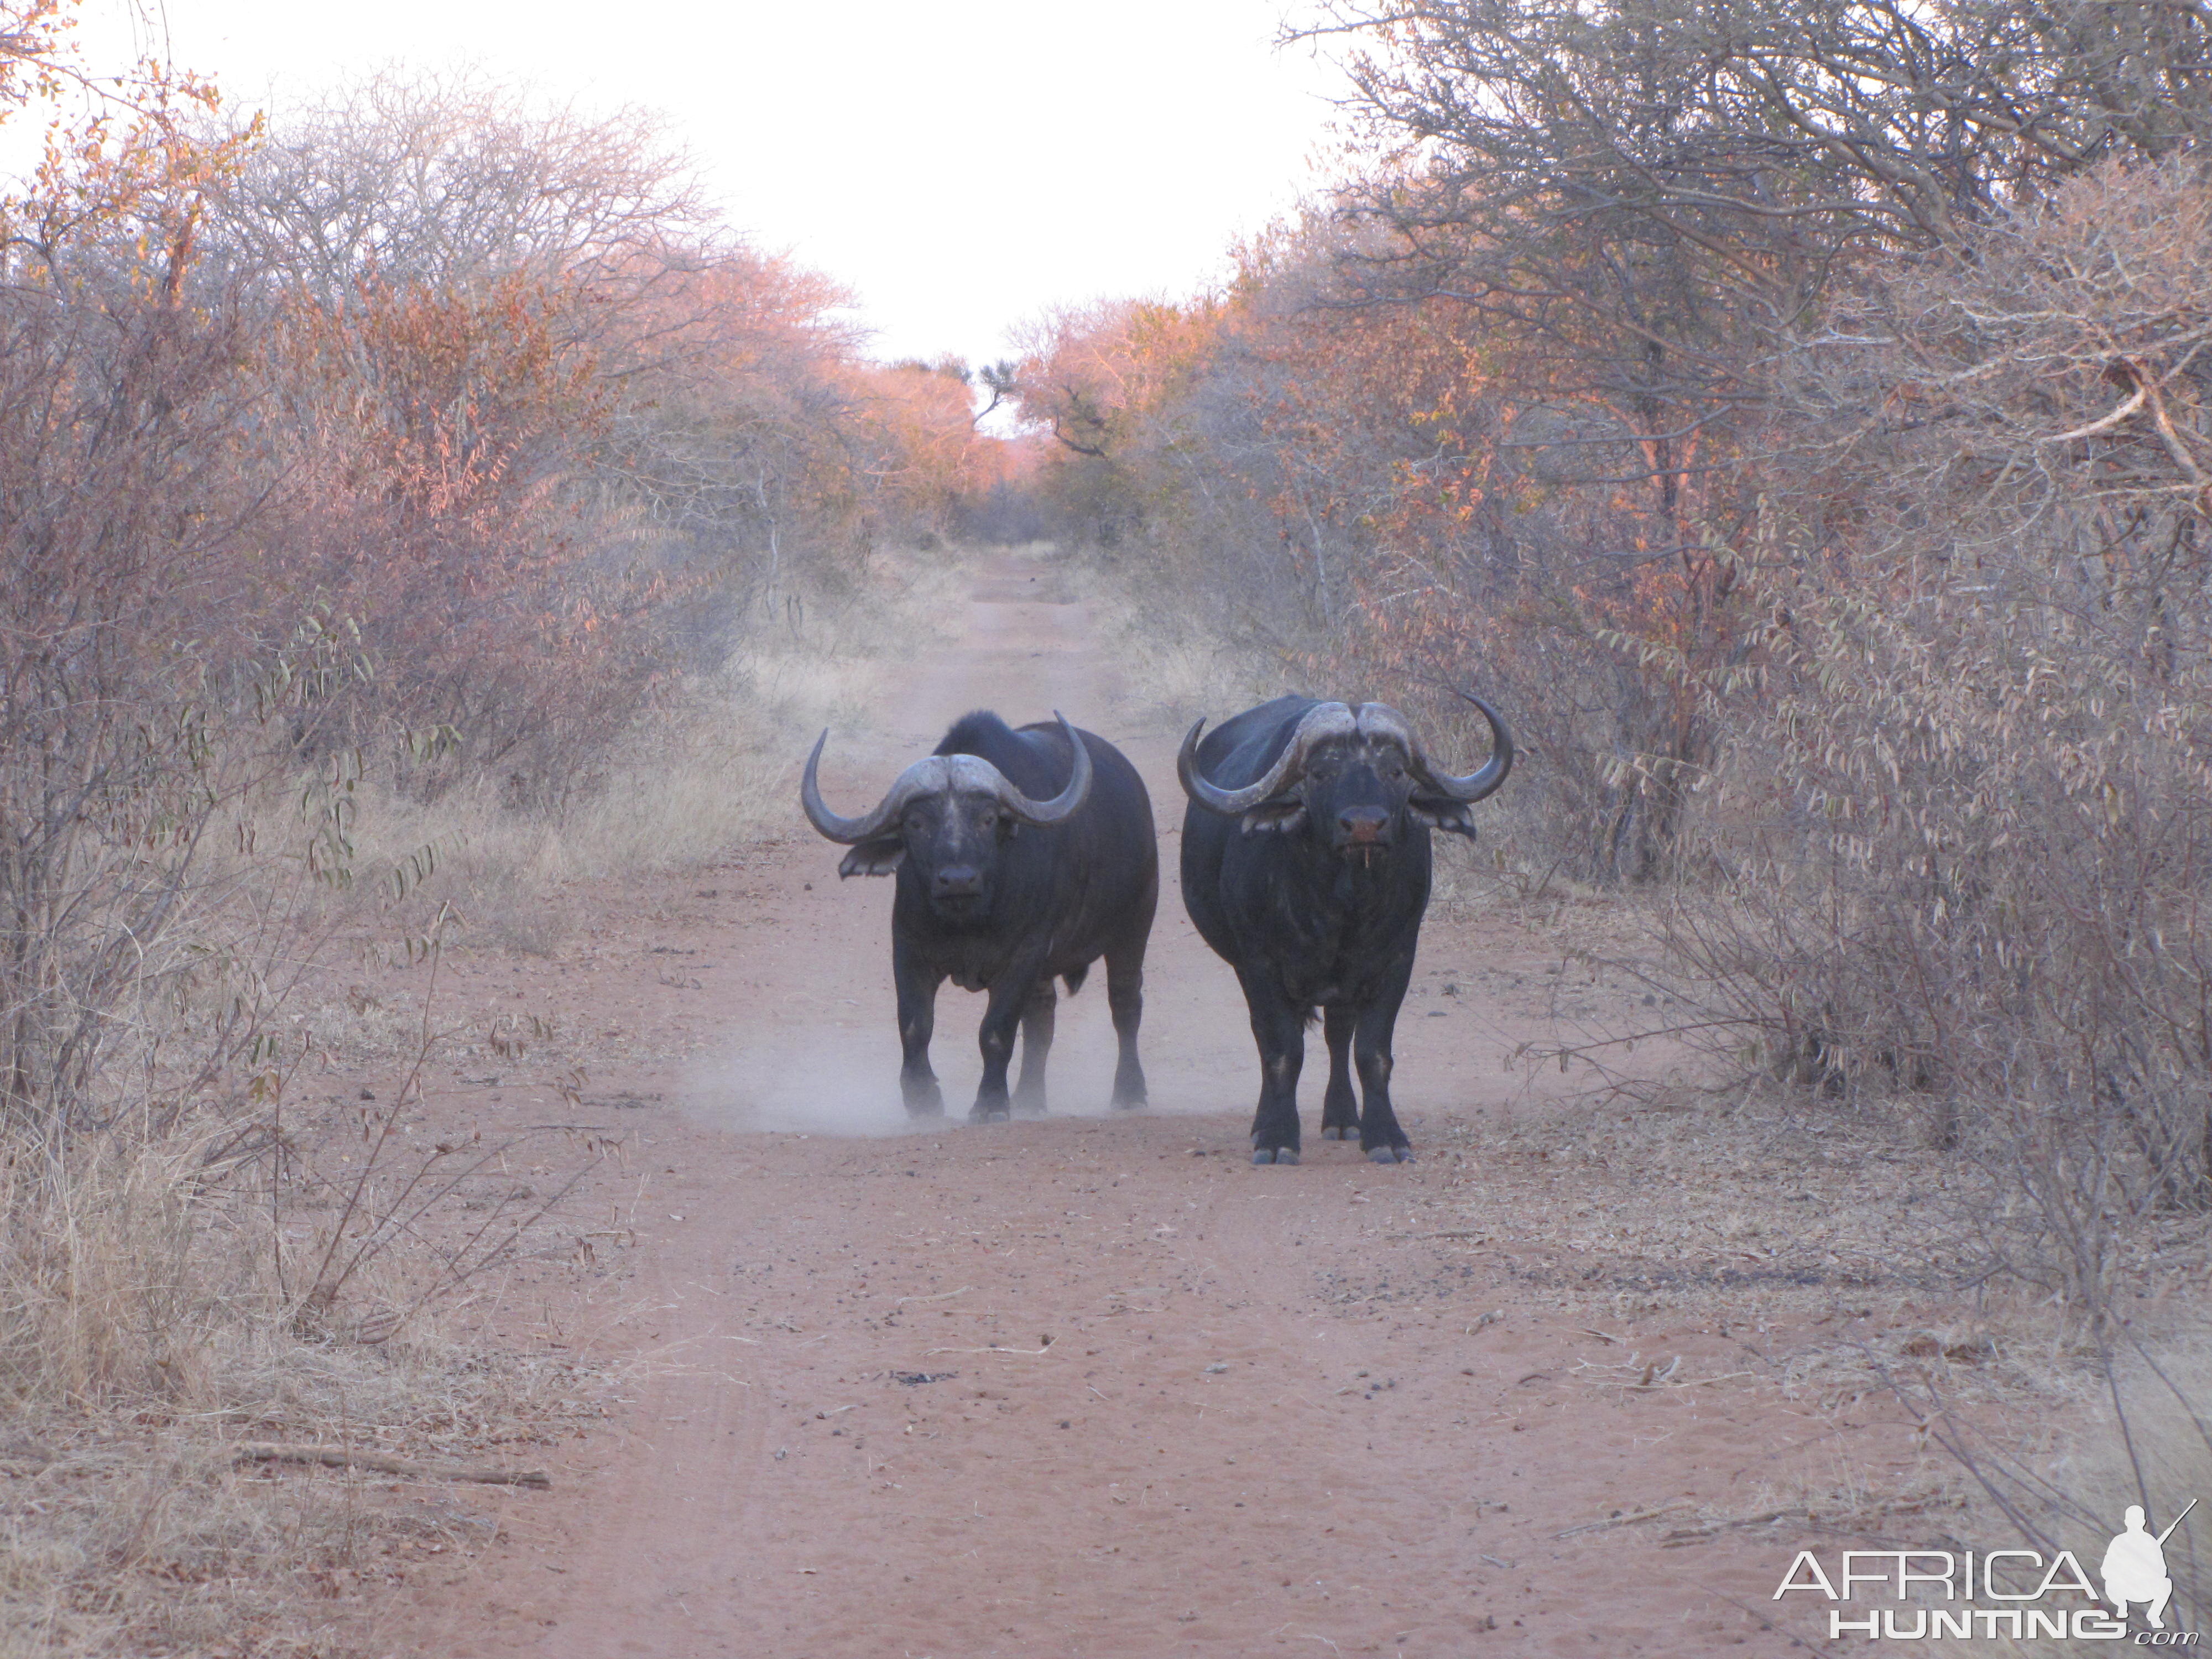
1010	874
1306	866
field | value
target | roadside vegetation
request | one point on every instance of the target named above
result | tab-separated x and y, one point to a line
1801	421
419	498
411	502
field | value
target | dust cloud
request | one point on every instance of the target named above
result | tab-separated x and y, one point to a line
842	1077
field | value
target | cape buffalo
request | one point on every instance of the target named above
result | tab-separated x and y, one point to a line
1305	865
1021	856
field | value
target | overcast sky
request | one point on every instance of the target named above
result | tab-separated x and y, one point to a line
960	165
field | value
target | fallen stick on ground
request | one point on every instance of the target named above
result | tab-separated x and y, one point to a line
340	1457
1682	1536
1627	1519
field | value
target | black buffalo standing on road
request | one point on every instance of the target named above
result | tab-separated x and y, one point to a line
1305	865
1021	857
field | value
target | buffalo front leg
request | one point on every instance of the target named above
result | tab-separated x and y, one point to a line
1037	1044
1340	1106
1278	1027
1125	1000
1380	1137
1011	995
917	1018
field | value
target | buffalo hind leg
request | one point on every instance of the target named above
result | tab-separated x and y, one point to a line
1037	1044
917	1018
1380	1137
1279	1028
1340	1106
1125	1000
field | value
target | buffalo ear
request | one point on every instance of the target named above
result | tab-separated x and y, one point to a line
1454	818
873	858
1281	816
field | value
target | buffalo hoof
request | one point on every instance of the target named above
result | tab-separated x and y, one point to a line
1337	1132
1276	1155
988	1115
1390	1154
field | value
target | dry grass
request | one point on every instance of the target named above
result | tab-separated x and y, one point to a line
1173	664
2123	1434
715	767
158	1294
2144	1441
144	1329
136	1531
1763	1240
2003	1194
1730	1210
1757	1206
1825	1255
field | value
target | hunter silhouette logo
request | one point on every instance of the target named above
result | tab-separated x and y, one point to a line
2134	1569
2033	1595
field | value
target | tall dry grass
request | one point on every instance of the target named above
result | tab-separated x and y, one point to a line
204	1269
111	1277
147	1324
1176	663
713	766
2131	1434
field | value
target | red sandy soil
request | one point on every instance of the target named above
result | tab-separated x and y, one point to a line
1090	1385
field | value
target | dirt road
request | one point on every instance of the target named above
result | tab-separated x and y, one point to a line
1090	1385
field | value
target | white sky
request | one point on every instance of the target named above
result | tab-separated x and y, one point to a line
961	166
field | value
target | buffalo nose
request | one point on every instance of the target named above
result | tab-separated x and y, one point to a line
1362	825
957	881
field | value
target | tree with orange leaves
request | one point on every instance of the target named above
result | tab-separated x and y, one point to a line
1402	490
553	439
127	586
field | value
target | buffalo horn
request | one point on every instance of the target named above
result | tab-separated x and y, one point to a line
937	774
1057	809
1486	778
1326	719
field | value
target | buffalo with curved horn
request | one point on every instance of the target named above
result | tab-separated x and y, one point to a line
1305	865
1021	857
